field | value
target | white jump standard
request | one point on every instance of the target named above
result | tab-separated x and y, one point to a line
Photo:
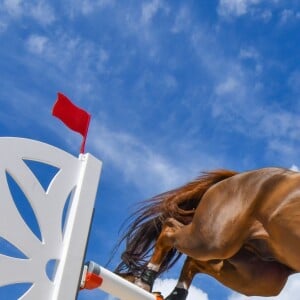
62	241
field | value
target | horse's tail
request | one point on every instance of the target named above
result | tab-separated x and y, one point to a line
147	221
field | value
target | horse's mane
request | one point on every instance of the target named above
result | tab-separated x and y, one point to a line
145	224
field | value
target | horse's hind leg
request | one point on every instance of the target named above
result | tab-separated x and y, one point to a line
188	272
205	246
164	244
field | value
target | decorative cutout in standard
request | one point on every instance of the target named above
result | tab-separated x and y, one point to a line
42	171
14	291
51	268
24	207
65	213
6	248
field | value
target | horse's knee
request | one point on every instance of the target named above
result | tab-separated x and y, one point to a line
167	236
171	222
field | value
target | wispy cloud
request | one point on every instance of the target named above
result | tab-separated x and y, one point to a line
37	44
232	85
240	93
12	7
136	160
294	82
286	15
182	20
151	8
42	12
295	168
237	8
173	90
249	53
3	26
165	286
283	12
86	7
38	10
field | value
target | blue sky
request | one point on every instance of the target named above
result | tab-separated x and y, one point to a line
174	88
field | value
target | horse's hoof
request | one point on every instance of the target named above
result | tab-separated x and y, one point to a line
146	279
178	294
145	286
158	295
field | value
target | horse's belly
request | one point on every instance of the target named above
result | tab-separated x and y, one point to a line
283	227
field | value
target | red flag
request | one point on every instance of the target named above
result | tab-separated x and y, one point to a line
72	116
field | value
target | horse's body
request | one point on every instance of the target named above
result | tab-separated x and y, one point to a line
241	228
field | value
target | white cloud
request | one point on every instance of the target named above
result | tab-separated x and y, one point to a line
266	15
149	10
278	123
37	44
87	7
259	9
60	50
170	81
236	8
295	168
286	15
239	100
239	96
282	147
290	291
12	7
240	105
143	164
41	12
289	15
165	286
182	20
102	60
294	81
228	86
135	160
249	53
3	26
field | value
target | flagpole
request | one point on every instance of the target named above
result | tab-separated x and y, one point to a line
82	147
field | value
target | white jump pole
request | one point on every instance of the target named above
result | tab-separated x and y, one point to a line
96	276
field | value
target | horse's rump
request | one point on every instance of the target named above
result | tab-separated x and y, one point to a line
146	223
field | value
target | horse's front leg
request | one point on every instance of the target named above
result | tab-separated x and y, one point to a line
163	245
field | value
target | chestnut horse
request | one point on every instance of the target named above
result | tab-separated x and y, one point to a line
243	229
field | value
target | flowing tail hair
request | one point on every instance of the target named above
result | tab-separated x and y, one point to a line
145	224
